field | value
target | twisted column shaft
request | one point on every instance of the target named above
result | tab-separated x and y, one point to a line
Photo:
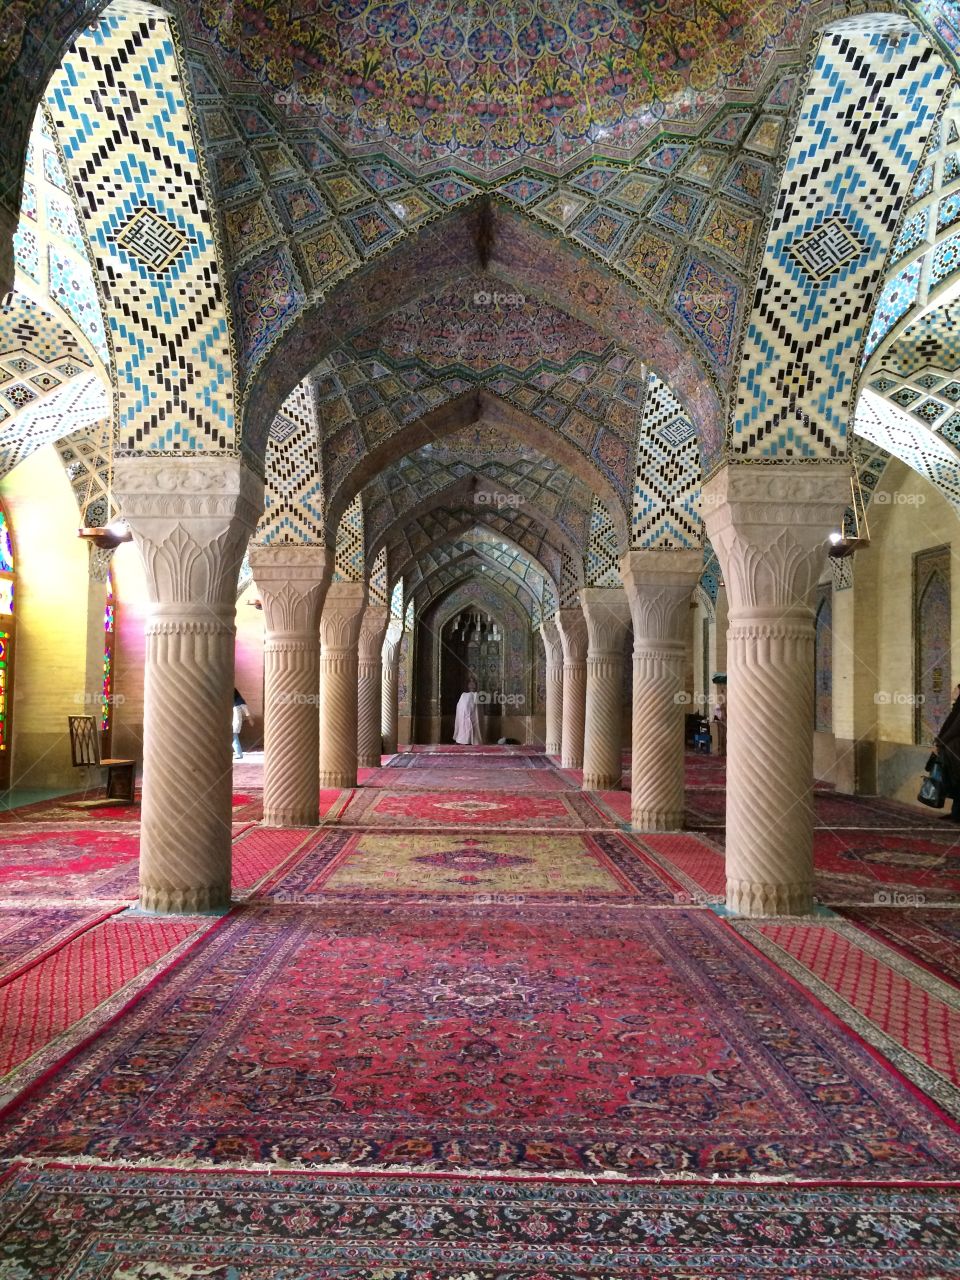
573	635
769	527
369	685
608	617
658	585
390	686
553	730
340	622
191	519
292	581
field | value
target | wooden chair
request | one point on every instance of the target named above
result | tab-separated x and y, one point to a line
85	750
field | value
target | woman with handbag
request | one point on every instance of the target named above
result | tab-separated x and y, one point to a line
947	746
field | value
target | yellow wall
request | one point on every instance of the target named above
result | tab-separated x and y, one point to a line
52	668
248	673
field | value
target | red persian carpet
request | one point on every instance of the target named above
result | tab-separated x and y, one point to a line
918	1019
28	933
467	777
68	984
403	810
56	864
292	1225
641	1041
262	853
928	935
377	867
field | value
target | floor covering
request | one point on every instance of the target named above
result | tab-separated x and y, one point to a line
473	1027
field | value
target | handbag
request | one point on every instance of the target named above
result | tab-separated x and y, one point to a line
931	788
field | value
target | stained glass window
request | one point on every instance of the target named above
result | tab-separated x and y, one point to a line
6	547
106	696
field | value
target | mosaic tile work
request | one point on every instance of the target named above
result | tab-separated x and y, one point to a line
666	495
570	583
377	582
396	599
81	402
469	574
348	562
879	85
293	495
896	431
122	121
49	247
602	563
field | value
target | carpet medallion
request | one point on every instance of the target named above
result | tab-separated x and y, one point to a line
641	1041
126	1224
373	867
568	809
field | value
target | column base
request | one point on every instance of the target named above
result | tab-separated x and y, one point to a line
596	782
184	901
292	817
571	762
340	780
552	748
746	898
369	762
655	820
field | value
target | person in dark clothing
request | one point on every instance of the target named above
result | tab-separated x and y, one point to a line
947	744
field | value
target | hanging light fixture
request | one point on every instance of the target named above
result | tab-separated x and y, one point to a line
114	530
853	534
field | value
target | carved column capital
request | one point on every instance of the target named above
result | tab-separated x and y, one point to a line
373	628
552	643
572	626
191	519
342	615
659	585
292	581
769	527
607	613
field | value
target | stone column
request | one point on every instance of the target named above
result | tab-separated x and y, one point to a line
340	621
770	528
659	585
292	581
389	687
369	682
191	519
572	626
553	645
608	617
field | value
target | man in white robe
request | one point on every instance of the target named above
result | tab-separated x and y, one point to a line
466	725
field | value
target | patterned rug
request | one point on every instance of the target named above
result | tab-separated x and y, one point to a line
706	806
634	1040
167	1225
467	778
65	809
456	760
59	864
910	1016
376	867
29	933
63	988
928	935
485	809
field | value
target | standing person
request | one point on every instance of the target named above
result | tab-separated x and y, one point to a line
720	720
241	712
466	725
947	746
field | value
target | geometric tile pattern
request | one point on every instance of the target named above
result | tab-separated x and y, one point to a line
896	431
570	583
81	402
293	494
666	496
377	583
86	459
874	93
396	599
602	564
349	555
121	117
